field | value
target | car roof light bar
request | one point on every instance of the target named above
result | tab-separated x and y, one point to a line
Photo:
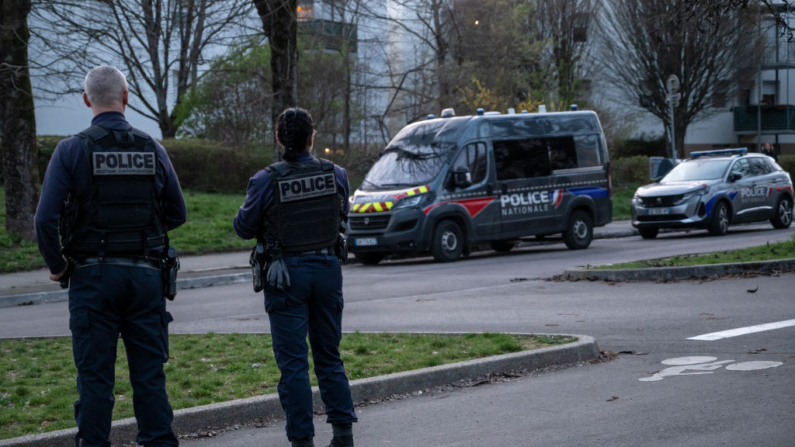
737	151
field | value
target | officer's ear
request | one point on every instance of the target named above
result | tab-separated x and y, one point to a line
85	100
311	141
278	140
125	99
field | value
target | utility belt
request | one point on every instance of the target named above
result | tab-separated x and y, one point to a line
263	254
168	266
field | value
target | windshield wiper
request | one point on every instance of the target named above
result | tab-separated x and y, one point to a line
396	185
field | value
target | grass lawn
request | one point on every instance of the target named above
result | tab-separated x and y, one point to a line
208	229
767	252
38	375
622	201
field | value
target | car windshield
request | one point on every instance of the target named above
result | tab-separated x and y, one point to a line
693	170
402	167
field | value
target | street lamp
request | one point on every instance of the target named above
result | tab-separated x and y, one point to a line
672	84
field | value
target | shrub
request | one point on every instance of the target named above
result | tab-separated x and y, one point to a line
649	146
201	165
204	165
633	170
787	162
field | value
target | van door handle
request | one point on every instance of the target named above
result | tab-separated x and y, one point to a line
504	188
489	189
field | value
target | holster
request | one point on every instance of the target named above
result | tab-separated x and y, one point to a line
258	262
64	281
341	249
169	266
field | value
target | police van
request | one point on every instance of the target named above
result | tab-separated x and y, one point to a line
445	184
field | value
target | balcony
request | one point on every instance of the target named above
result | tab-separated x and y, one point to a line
776	119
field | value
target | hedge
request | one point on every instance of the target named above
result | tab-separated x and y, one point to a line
631	170
201	165
787	162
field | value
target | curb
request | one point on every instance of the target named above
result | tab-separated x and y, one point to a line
669	273
239	411
54	296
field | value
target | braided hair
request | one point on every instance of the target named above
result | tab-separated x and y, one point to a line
294	128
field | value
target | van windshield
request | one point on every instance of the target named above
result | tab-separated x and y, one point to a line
407	166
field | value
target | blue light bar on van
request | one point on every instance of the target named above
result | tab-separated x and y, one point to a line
738	151
430	117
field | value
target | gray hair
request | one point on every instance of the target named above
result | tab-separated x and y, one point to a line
105	86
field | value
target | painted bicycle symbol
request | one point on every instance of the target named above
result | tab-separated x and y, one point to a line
691	366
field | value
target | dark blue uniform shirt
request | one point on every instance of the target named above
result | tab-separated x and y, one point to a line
69	171
259	195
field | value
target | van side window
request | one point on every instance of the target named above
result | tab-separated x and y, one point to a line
562	153
759	166
741	166
587	151
473	157
517	159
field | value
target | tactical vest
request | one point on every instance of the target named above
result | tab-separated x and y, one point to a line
122	213
305	214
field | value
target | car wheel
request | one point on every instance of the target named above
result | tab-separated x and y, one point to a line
579	233
649	232
503	246
719	225
448	241
370	258
783	217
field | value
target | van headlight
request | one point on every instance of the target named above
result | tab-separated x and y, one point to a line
412	201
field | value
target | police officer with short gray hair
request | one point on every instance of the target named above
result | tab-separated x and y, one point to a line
115	195
296	209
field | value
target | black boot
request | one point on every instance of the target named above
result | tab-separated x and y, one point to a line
303	443
343	436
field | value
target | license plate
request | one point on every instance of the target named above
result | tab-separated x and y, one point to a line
658	211
366	241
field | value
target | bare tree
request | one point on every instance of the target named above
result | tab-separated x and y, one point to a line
565	26
280	25
647	41
708	13
157	42
17	120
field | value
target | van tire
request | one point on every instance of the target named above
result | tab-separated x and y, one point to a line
579	233
783	213
719	225
503	246
370	258
448	241
648	232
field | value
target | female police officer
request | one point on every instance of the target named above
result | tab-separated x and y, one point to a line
297	208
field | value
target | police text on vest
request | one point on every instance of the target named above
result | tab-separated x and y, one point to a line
124	163
307	187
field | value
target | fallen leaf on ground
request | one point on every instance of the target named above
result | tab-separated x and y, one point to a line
612	399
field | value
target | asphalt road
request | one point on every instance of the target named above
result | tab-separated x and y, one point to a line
599	404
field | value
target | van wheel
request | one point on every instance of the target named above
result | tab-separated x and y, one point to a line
503	246
579	233
783	217
648	233
370	258
719	225
448	241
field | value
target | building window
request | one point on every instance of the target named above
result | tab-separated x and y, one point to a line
580	27
719	94
304	10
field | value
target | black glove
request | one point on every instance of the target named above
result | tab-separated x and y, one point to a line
341	249
277	275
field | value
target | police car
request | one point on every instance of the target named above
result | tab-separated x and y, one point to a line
714	189
444	184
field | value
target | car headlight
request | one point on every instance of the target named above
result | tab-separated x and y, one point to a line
411	201
698	193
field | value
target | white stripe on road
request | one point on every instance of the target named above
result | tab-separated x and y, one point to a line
744	330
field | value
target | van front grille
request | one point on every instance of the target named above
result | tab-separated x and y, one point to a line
368	223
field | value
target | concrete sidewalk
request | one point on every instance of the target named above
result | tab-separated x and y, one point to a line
211	264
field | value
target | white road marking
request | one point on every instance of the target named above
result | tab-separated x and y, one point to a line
743	331
682	361
753	366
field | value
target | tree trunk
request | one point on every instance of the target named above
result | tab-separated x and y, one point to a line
280	27
17	120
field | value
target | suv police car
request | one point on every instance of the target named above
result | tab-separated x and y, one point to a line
714	189
444	184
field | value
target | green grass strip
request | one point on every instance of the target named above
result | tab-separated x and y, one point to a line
38	375
767	252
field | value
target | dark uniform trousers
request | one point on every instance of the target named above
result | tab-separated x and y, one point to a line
311	305
105	301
